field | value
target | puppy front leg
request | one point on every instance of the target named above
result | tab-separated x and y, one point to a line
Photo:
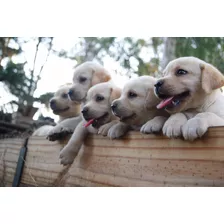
118	130
64	128
69	152
172	127
154	125
197	126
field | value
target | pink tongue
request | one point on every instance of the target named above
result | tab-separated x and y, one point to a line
165	102
88	123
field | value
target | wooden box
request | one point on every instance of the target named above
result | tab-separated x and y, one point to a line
135	160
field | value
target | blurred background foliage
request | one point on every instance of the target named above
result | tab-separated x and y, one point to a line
141	56
20	80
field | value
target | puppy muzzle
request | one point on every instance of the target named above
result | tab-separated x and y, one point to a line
85	114
53	104
158	87
114	107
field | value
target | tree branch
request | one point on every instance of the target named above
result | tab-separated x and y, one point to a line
34	64
41	69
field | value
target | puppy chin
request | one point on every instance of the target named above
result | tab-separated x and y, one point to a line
60	111
76	98
77	95
128	118
56	113
174	110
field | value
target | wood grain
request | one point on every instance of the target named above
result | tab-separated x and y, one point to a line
135	160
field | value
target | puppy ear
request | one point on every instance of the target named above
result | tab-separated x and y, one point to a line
151	100
100	76
211	78
115	93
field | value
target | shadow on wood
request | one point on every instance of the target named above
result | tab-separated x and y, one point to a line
135	160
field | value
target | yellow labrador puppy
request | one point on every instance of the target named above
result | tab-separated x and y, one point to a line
136	106
62	106
190	92
85	76
97	117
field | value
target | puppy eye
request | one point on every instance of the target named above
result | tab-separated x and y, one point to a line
132	95
181	72
82	79
64	95
99	98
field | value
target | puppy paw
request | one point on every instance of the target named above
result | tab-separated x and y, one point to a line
117	131
172	131
103	130
59	132
172	127
153	126
194	128
67	156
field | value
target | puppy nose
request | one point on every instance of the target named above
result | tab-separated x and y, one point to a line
70	92
113	106
159	84
52	103
84	110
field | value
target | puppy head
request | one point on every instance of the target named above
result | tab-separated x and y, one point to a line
85	76
61	105
186	83
97	109
136	100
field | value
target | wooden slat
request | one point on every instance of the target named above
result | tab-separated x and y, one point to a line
135	160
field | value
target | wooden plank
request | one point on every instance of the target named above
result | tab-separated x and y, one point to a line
135	160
